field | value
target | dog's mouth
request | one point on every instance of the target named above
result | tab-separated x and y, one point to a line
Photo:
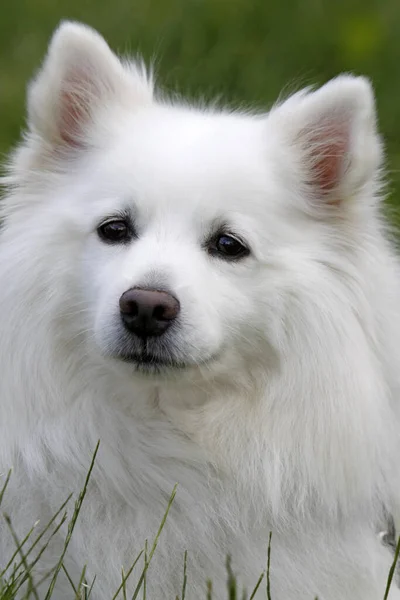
150	363
153	357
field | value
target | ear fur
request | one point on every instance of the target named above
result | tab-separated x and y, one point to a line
79	80
334	132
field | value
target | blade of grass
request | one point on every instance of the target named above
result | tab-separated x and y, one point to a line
127	575
15	554
67	575
40	536
209	590
392	570
39	555
184	575
3	489
7	586
91	588
269	567
145	566
71	526
232	588
45	576
123	584
81	581
31	585
154	546
254	592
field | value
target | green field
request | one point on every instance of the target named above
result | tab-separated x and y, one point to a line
241	51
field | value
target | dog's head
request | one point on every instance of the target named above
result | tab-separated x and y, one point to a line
189	237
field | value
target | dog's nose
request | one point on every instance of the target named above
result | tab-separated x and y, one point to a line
148	312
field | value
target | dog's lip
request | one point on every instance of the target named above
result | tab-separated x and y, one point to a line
145	359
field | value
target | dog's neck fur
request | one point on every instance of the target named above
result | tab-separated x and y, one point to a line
279	473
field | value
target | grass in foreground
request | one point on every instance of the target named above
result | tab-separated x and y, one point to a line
19	582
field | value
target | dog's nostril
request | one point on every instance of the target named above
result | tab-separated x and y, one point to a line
148	312
160	312
128	306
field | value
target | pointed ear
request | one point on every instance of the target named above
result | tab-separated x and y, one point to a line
80	80
333	131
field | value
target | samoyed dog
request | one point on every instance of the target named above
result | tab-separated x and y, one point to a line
214	296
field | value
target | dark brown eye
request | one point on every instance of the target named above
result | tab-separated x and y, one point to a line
115	232
228	247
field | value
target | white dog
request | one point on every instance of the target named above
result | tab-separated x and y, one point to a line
214	297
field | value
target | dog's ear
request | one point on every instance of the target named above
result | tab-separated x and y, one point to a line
80	80
333	132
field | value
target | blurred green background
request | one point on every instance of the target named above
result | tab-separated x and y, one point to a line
243	51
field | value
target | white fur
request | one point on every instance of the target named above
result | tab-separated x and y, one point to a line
286	417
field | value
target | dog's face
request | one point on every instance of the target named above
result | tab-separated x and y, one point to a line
191	231
180	240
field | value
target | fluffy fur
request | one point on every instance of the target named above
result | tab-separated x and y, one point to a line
279	410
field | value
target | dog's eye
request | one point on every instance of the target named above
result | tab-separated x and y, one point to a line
115	232
229	247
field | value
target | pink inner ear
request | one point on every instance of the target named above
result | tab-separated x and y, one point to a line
329	147
75	99
72	118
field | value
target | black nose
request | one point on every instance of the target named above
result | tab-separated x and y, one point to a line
148	312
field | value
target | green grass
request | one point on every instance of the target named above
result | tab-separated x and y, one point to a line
21	564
